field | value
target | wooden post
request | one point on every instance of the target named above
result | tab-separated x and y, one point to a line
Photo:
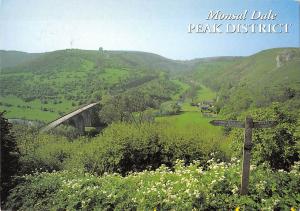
246	155
248	125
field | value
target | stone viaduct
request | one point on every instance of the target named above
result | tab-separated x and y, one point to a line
79	118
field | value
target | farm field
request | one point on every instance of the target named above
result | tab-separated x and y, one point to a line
16	108
190	116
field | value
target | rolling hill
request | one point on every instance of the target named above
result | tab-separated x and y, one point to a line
13	58
46	85
255	81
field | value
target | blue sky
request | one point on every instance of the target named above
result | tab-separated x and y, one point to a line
158	26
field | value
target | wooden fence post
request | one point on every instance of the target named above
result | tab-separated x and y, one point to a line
248	125
246	155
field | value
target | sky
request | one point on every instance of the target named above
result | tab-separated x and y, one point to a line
157	26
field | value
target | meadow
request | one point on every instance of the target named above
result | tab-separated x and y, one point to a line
190	116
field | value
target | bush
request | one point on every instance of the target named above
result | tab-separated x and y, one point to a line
44	152
278	145
122	147
125	147
185	188
9	156
169	108
65	130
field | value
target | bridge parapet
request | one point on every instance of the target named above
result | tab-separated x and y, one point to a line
79	118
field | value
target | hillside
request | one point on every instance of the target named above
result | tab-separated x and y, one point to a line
254	81
156	149
13	58
47	85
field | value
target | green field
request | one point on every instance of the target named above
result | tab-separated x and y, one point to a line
182	86
190	118
16	108
205	94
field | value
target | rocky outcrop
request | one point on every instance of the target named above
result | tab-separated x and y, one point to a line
284	57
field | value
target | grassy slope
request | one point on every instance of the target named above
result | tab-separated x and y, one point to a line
247	76
251	81
191	121
45	87
32	110
68	78
190	118
13	58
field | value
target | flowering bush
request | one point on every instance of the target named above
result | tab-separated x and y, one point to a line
182	188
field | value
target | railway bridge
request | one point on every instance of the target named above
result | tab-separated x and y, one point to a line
79	118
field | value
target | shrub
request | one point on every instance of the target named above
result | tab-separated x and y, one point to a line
125	147
121	148
9	156
278	145
44	152
169	108
185	188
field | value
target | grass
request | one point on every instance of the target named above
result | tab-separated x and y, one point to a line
113	75
190	123
186	120
33	114
182	86
32	110
205	94
191	117
186	107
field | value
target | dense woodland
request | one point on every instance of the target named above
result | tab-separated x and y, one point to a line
156	149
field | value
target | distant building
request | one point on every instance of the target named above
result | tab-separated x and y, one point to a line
204	108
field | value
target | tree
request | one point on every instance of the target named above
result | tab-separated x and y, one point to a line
9	156
113	109
277	146
124	107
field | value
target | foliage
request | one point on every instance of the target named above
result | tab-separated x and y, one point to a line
47	85
42	152
169	108
140	155
9	156
129	147
278	145
254	81
65	130
184	188
122	147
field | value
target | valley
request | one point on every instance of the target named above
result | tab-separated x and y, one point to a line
47	86
152	146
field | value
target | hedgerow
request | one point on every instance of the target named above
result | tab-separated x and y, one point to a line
121	148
